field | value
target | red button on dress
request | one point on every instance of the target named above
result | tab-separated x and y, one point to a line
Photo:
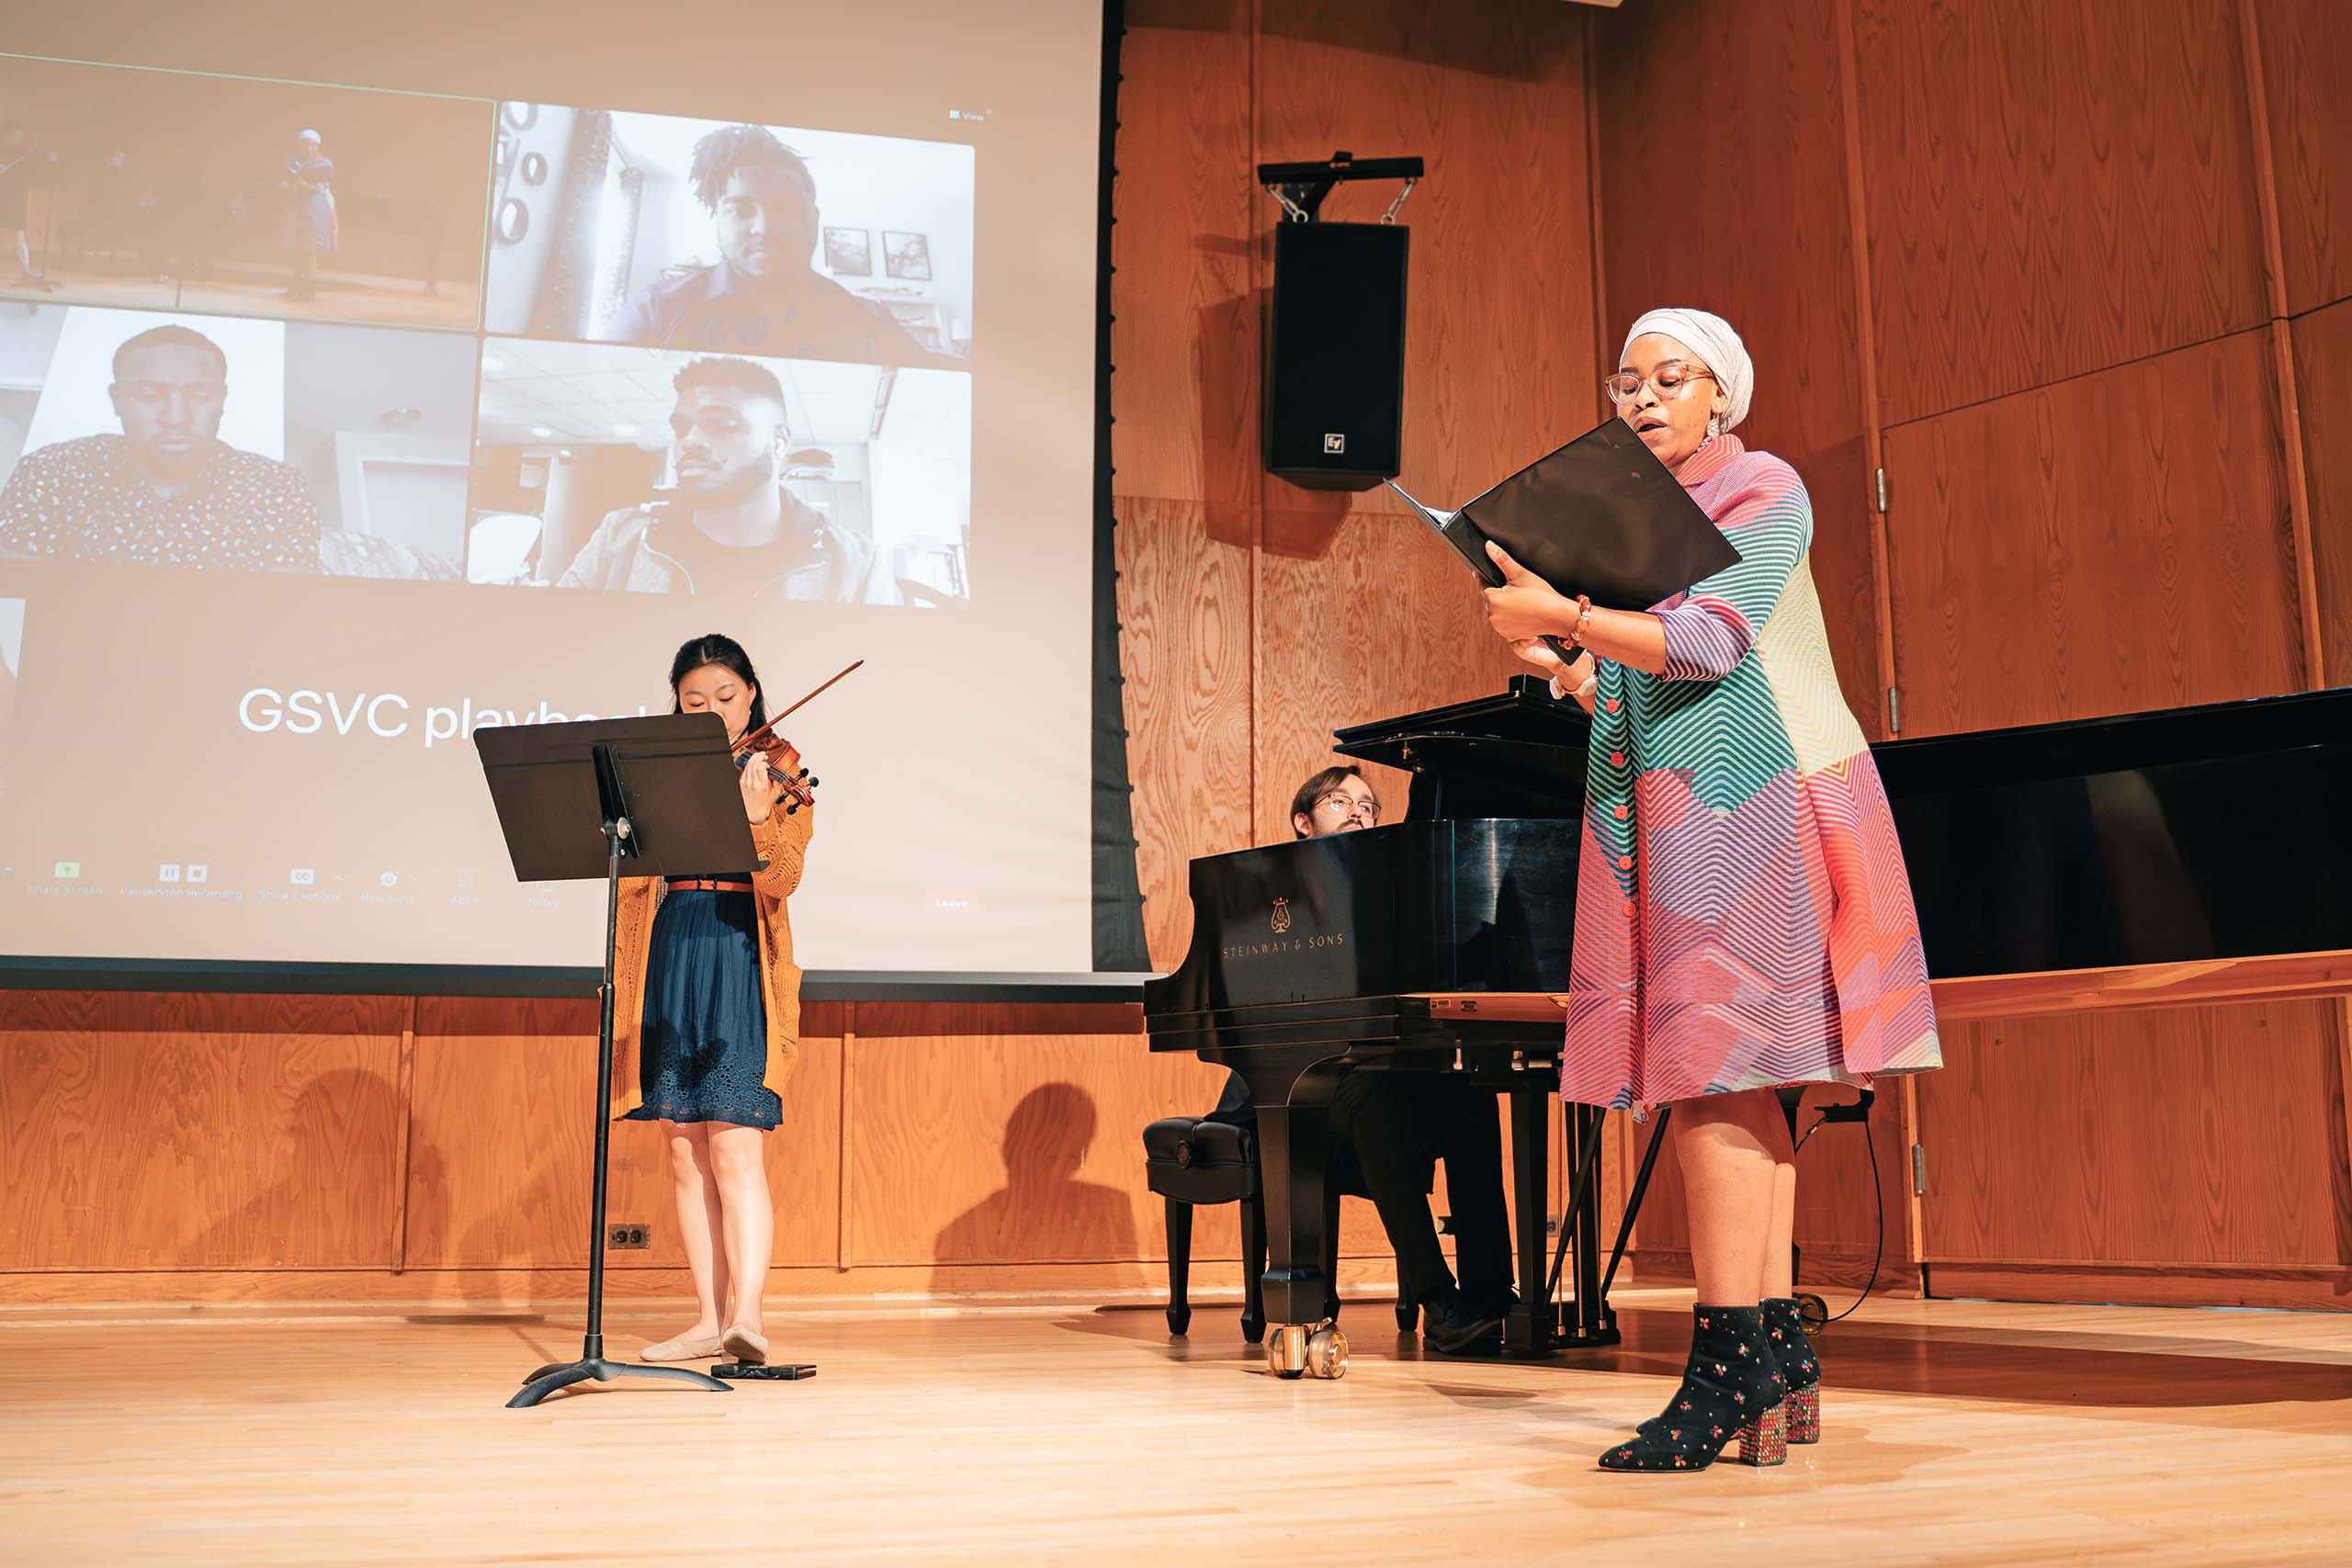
1611	704
1616	758
1622	813
1624	863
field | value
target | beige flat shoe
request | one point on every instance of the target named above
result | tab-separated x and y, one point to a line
680	1350
746	1345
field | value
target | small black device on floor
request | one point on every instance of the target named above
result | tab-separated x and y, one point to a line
785	1372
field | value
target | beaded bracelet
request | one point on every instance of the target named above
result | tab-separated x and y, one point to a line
1584	620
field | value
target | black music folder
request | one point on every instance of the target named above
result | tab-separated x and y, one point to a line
1601	517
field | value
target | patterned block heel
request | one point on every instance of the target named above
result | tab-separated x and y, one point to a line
1731	1388
1793	1353
1765	1440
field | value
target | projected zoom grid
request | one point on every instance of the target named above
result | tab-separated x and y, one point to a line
188	384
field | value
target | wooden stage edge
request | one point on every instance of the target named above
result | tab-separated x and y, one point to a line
1838	1276
2272	977
1216	1285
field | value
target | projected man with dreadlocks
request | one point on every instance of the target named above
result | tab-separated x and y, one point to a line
762	295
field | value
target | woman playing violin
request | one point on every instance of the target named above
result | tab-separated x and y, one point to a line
707	1020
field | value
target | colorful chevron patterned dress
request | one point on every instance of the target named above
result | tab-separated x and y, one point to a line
1743	916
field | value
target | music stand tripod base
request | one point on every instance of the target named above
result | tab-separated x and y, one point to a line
595	1367
753	1371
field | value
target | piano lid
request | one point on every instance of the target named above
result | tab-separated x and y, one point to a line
2121	742
1518	753
2195	834
2181	836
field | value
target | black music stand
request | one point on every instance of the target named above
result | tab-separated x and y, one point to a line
574	801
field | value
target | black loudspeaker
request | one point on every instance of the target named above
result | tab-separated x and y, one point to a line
1335	357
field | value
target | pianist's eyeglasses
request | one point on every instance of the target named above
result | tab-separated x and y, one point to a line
1349	806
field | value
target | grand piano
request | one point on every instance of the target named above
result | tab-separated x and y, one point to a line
1436	945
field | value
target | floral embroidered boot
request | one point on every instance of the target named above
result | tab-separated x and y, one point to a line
1792	1350
1730	1389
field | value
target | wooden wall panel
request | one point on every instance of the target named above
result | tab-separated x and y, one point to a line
2117	543
1259	618
1184	648
501	1145
2052	189
149	1131
1499	351
1184	340
2324	384
2306	60
1763	239
982	1135
1385	622
2178	1137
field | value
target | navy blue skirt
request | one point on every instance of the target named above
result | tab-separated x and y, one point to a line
703	1051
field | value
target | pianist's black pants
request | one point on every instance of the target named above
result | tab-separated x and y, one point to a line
1396	1123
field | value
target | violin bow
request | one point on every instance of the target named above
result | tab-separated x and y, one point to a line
795	707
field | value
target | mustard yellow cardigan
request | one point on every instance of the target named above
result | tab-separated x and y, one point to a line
783	845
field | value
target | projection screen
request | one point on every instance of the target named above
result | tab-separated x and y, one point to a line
385	373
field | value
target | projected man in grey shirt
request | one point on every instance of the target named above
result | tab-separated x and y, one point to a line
168	491
762	295
734	529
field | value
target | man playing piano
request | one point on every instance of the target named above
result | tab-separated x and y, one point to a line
1397	1125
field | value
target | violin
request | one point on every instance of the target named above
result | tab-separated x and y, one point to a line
796	787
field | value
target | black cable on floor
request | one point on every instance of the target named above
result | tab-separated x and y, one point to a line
1877	1254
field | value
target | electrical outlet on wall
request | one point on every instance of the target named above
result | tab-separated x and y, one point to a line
629	1238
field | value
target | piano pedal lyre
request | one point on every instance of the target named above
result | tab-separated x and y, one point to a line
1311	1351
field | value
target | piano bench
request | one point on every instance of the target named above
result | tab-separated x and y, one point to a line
1190	1161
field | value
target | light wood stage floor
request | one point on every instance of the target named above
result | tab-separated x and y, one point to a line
1959	1433
341	297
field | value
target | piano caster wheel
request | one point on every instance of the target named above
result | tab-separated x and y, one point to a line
1302	1350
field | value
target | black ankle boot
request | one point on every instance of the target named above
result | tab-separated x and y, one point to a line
1452	1322
1793	1353
1730	1389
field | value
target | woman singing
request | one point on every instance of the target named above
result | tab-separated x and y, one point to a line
1744	920
706	1023
312	229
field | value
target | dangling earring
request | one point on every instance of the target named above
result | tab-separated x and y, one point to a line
1715	425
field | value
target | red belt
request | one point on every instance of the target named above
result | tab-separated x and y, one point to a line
704	885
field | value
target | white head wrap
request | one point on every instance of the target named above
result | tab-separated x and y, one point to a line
1711	338
313	136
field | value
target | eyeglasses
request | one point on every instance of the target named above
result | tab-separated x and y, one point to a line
1670	378
1350	805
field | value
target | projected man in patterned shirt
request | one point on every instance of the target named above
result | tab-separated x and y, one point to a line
168	491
